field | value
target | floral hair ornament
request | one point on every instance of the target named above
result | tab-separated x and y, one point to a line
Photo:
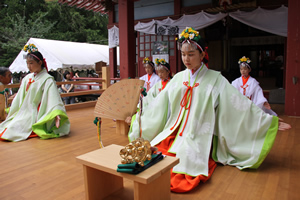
146	60
30	48
190	35
161	63
244	62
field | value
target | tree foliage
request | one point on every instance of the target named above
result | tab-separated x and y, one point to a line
22	19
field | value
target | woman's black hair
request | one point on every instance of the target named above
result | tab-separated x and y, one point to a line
66	73
39	56
167	65
3	71
152	65
202	43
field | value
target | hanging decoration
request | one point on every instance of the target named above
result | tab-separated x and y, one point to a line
225	3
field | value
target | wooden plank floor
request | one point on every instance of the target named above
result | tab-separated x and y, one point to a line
47	169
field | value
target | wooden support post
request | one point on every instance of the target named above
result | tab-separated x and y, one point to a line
105	77
127	39
99	184
2	104
122	127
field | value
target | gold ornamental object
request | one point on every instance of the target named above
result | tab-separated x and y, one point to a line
138	151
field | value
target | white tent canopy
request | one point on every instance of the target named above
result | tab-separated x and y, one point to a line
64	54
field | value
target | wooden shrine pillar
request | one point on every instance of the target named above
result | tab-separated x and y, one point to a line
113	65
127	38
292	80
113	62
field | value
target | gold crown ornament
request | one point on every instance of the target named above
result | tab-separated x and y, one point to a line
137	151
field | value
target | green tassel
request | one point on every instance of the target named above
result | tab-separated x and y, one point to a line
143	91
5	90
96	120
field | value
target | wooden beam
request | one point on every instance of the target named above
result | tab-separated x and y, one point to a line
86	104
81	93
77	82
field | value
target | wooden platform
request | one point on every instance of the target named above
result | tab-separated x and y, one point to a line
47	169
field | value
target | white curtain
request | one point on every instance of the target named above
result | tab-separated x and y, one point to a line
113	37
272	21
197	21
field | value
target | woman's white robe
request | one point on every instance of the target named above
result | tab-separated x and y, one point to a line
239	132
24	116
154	79
253	91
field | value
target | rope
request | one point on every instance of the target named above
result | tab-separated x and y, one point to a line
98	121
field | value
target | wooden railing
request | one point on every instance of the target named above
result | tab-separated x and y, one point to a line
103	83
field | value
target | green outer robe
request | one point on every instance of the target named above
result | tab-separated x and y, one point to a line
24	117
241	132
152	94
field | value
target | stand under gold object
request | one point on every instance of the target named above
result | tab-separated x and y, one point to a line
103	181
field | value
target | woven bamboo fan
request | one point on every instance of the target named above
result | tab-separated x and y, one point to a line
119	100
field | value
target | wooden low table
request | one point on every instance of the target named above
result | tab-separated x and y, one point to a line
102	179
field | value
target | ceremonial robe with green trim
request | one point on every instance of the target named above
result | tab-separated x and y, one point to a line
35	110
239	132
152	93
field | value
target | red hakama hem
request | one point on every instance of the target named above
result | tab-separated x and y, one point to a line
181	182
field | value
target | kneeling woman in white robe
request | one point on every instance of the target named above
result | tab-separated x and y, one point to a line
249	87
150	78
37	108
163	70
202	119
